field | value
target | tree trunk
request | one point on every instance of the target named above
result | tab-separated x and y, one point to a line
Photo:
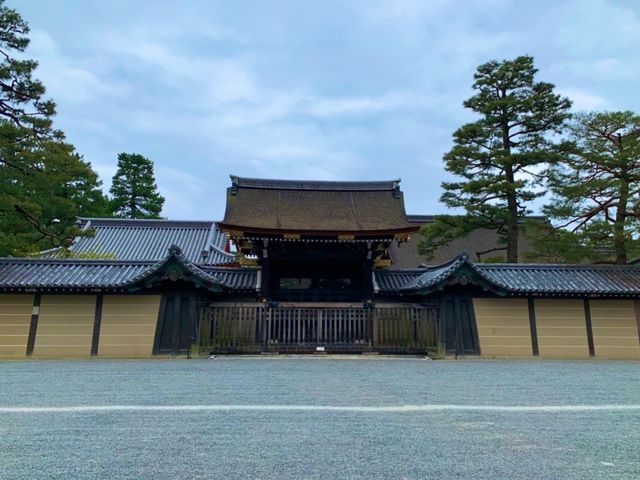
512	218
132	205
512	201
618	227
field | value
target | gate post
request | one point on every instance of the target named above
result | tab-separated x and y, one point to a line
442	328
265	314
370	323
319	331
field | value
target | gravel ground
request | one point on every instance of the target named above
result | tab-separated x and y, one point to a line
319	444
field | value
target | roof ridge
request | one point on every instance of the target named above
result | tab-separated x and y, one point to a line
143	220
291	184
566	266
74	261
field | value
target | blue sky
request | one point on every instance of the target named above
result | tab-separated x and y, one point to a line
343	90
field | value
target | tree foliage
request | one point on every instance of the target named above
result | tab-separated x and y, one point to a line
500	158
43	191
44	183
22	100
134	190
596	191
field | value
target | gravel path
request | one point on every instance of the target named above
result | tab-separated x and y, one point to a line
319	418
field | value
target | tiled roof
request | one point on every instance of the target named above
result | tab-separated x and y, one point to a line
141	240
67	273
234	278
587	279
392	281
70	274
614	280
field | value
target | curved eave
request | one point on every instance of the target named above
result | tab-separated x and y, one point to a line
457	272
173	268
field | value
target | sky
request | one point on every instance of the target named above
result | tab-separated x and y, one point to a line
307	89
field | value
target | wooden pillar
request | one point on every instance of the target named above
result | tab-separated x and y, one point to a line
367	273
442	327
265	270
533	328
97	319
587	318
636	305
33	327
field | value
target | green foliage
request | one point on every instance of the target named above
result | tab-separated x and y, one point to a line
500	158
134	190
44	183
596	191
44	186
22	99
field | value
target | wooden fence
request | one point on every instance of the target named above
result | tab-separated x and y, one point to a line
255	327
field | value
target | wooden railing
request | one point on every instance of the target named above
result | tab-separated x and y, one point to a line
257	326
406	325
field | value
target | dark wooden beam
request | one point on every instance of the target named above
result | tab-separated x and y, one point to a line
636	305
97	320
33	327
587	317
534	328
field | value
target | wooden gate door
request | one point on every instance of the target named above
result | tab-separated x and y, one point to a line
459	333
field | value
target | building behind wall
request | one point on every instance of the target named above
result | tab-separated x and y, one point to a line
481	245
314	268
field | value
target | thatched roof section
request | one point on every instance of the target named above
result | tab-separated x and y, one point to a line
314	207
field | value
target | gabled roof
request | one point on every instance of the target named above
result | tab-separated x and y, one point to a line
315	207
458	271
514	279
142	240
19	274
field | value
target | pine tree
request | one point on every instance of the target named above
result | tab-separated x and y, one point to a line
47	186
596	191
44	183
22	99
134	190
502	156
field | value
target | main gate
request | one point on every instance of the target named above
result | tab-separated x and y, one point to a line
244	327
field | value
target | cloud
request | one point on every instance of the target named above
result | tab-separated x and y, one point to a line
331	90
326	107
584	100
213	80
182	191
64	78
404	10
